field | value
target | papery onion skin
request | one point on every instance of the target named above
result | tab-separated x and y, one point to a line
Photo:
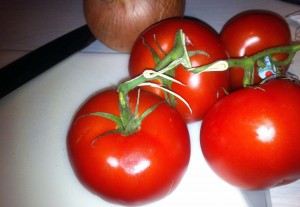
117	23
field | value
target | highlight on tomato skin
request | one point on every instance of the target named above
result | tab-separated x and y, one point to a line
250	32
199	90
129	170
251	137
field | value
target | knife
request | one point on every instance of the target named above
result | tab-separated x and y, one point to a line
36	62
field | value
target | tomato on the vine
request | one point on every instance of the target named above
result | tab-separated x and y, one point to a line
251	32
199	90
251	137
134	169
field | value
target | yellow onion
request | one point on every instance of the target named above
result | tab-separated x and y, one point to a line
117	23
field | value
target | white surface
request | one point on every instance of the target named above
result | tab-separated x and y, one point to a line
34	119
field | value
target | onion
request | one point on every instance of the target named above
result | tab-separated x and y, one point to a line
117	23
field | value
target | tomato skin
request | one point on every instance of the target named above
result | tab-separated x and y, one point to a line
250	32
251	137
201	90
134	169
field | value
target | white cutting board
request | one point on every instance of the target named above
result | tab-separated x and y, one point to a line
34	119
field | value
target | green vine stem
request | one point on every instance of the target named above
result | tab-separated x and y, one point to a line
247	63
129	122
179	55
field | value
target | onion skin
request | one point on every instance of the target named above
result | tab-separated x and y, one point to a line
117	23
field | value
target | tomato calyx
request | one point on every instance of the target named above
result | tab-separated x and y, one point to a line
167	65
248	63
128	122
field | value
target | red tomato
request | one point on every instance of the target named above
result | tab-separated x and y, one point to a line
134	169
200	90
250	32
251	137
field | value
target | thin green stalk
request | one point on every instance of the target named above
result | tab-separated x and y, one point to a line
248	63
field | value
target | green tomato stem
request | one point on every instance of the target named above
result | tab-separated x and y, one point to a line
247	63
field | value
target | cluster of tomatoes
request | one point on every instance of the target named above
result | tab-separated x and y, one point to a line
249	136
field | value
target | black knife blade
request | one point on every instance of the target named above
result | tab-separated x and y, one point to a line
36	62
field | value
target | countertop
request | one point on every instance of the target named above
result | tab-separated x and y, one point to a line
27	25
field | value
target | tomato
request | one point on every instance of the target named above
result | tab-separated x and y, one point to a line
250	32
200	90
251	137
130	170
